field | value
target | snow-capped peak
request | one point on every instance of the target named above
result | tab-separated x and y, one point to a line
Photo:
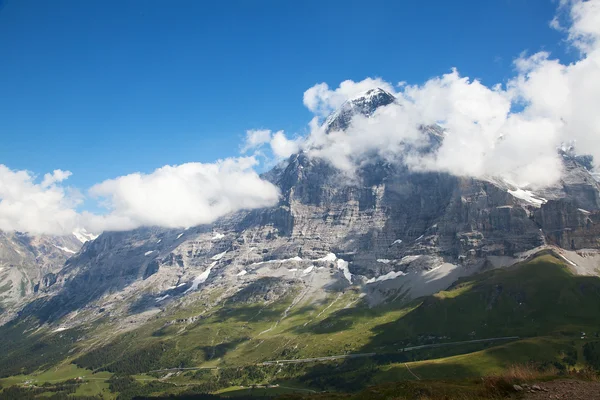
370	94
364	103
84	236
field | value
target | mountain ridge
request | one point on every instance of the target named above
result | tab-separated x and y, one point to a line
392	233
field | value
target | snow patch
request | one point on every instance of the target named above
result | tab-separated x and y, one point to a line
218	236
528	196
433	269
149	252
178	236
277	261
84	236
242	273
567	260
330	257
66	250
162	298
386	277
308	270
584	211
62	328
343	266
217	257
384	260
159	240
200	279
397	241
293	269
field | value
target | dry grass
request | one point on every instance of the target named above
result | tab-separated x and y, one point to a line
503	384
528	372
585	374
493	387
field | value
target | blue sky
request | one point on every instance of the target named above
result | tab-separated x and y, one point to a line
107	88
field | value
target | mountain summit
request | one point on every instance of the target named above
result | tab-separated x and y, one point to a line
364	104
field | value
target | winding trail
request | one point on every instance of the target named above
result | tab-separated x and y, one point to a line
412	373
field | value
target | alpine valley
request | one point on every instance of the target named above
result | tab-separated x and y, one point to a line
346	286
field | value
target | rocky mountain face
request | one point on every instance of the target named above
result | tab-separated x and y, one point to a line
28	263
392	233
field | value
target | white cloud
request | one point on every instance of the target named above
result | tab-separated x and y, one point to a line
172	196
475	118
56	176
584	31
181	196
283	147
37	208
256	138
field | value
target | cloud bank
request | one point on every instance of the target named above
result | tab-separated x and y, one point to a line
181	196
37	208
509	130
280	146
172	196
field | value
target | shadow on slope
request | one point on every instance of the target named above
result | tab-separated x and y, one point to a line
537	298
540	301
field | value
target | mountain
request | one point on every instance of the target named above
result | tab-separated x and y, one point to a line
28	262
394	232
265	284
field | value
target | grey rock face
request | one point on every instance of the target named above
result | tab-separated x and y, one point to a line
25	260
577	184
569	227
263	289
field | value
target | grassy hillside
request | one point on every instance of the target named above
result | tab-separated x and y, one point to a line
541	297
540	301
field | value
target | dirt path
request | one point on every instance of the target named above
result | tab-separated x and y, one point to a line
412	373
564	390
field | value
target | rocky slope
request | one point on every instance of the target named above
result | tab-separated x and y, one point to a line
30	262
